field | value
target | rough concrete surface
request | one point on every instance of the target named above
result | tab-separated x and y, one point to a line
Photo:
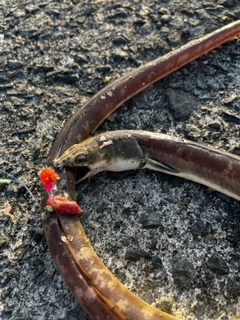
174	243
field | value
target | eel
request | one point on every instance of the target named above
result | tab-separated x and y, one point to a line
100	294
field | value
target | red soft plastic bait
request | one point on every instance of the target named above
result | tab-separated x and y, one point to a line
63	205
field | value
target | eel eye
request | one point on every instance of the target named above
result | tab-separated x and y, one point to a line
81	159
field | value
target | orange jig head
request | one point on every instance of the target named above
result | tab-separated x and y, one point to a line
48	178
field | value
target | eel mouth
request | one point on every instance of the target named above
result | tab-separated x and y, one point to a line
83	173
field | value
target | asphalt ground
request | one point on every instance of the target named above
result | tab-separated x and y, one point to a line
174	243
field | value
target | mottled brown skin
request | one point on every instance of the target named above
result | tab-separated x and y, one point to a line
73	255
104	148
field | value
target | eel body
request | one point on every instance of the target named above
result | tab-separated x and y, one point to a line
101	295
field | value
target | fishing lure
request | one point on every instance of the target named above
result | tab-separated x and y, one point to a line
59	204
48	178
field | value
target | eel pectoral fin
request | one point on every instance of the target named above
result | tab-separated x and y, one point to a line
159	166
